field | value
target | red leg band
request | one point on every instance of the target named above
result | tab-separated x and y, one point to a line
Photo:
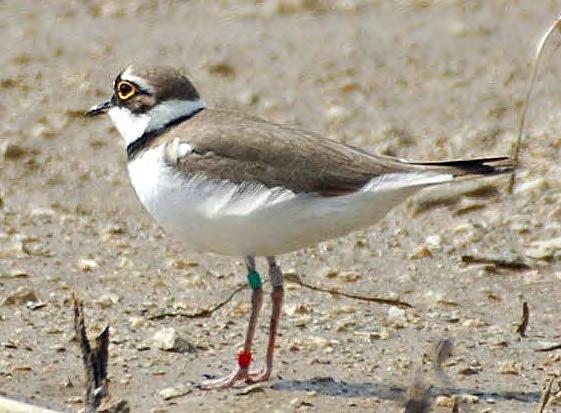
244	358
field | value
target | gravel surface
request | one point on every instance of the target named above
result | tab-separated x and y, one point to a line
425	79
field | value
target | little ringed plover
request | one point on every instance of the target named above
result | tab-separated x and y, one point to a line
232	184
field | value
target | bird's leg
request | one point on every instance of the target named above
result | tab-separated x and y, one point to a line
277	295
244	356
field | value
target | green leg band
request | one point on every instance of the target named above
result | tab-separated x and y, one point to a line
254	280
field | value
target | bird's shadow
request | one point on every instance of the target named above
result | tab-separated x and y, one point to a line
327	386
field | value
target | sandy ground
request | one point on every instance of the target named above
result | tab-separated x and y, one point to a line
421	79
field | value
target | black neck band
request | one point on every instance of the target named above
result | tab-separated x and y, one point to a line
136	146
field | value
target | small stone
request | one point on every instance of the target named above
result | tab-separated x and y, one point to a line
87	265
469	398
510	368
182	264
434	243
468	371
12	151
533	186
450	194
16	273
444	401
136	322
349	276
254	388
42	213
107	300
422	251
337	113
113	406
168	339
174	392
34	305
540	250
331	273
396	314
20	296
474	323
297	309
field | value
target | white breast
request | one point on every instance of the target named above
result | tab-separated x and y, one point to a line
238	220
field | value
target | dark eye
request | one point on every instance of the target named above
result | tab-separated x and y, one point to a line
125	90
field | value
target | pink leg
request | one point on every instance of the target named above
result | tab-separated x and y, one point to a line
276	297
242	373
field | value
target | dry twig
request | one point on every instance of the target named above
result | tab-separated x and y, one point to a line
203	313
521	329
297	280
546	394
95	366
522	118
550	348
418	393
207	312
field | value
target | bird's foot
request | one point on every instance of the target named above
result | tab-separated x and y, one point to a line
241	374
226	381
259	376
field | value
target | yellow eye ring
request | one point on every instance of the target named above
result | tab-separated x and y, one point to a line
125	90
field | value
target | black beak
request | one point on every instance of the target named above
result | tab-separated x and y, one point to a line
100	108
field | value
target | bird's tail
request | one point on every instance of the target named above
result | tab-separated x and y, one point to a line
421	174
466	167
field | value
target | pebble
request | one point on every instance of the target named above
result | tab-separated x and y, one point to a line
449	194
15	273
107	300
254	388
174	392
87	265
20	296
546	249
396	314
337	113
12	151
34	305
444	401
510	368
136	322
168	339
469	398
533	186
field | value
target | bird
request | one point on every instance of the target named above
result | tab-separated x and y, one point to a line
232	184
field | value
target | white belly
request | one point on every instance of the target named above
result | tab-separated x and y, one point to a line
239	220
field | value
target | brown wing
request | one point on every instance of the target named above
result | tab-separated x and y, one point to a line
230	146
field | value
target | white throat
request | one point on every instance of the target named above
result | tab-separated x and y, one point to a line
132	126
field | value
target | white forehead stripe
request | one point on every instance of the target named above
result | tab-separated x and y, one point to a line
137	80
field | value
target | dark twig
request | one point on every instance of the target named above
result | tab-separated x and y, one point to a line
297	280
207	312
546	394
203	313
521	329
418	395
455	406
550	348
95	365
512	262
444	350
